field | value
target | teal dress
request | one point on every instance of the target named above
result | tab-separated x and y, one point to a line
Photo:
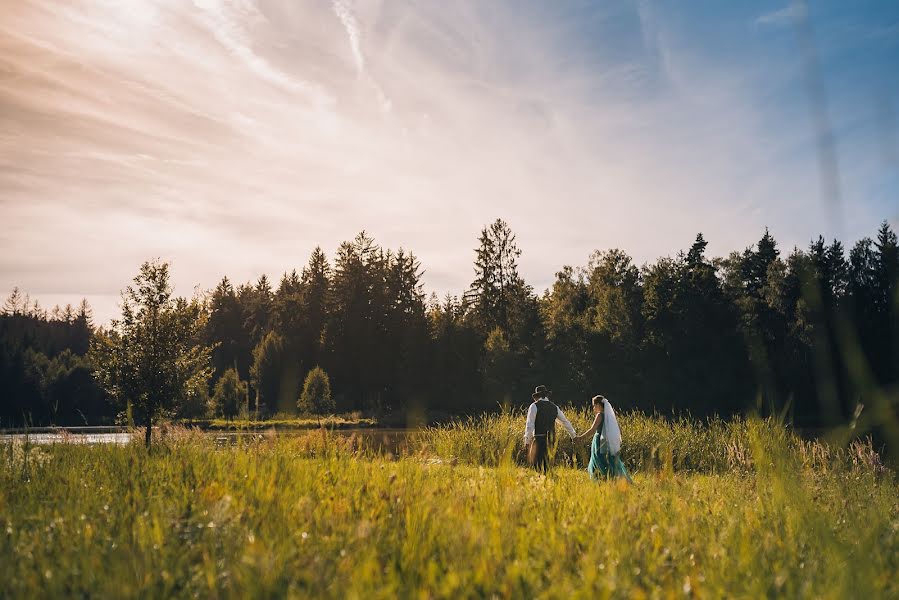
604	465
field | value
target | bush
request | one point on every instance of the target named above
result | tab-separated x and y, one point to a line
230	394
316	396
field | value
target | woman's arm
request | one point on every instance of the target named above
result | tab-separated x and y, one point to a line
596	424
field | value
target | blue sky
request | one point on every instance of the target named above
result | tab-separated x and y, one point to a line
233	136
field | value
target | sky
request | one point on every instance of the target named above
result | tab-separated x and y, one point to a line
232	137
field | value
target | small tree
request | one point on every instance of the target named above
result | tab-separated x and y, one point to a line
150	359
316	396
230	393
266	372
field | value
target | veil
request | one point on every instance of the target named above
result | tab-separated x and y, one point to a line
610	430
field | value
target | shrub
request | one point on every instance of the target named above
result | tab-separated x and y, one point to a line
316	396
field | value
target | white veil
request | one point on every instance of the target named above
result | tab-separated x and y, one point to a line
610	430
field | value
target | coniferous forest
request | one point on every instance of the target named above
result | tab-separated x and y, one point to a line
810	334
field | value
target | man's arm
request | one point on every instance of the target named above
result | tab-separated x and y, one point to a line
529	424
565	422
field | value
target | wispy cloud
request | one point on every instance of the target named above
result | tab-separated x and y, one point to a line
348	20
232	136
789	15
343	12
226	20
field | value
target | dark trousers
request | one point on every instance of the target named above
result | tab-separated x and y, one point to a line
538	453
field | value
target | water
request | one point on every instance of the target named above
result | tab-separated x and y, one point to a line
67	438
384	440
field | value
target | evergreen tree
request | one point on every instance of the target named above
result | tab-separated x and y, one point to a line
14	305
269	375
615	298
357	323
497	281
316	305
257	303
564	311
226	333
454	366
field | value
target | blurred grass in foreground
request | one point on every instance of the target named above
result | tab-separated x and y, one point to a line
318	515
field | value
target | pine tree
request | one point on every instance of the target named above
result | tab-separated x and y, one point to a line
14	304
497	281
316	304
268	371
888	269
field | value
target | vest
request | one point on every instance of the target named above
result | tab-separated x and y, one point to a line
545	423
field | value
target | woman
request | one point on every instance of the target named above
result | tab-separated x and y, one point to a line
605	462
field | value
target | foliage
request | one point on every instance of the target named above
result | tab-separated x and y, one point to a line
151	359
316	396
810	335
230	395
45	376
497	281
271	373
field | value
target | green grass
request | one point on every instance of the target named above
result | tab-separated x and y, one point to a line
651	443
285	422
316	515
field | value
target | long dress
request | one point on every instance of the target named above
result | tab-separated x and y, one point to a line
603	464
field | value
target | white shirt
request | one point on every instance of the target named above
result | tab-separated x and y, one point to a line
532	416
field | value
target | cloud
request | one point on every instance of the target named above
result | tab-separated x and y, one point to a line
785	17
348	20
343	12
225	20
232	137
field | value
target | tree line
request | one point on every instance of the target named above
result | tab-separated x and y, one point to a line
811	334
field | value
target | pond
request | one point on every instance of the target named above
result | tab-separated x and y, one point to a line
378	439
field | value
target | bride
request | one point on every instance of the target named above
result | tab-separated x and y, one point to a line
605	459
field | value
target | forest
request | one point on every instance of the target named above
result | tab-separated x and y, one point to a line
810	335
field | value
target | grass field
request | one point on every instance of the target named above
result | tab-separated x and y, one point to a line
718	510
286	422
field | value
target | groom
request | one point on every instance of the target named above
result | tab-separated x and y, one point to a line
540	428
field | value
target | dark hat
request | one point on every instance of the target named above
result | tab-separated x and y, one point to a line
540	391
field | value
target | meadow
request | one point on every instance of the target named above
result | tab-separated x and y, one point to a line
737	509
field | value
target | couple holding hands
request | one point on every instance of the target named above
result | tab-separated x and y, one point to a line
539	430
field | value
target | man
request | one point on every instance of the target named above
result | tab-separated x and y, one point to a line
540	428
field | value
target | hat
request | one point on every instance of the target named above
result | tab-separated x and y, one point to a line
540	392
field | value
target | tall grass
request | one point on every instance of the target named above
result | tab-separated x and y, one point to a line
322	516
651	443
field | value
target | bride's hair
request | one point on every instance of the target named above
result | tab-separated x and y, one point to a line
599	399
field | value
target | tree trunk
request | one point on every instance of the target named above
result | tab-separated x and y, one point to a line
149	426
